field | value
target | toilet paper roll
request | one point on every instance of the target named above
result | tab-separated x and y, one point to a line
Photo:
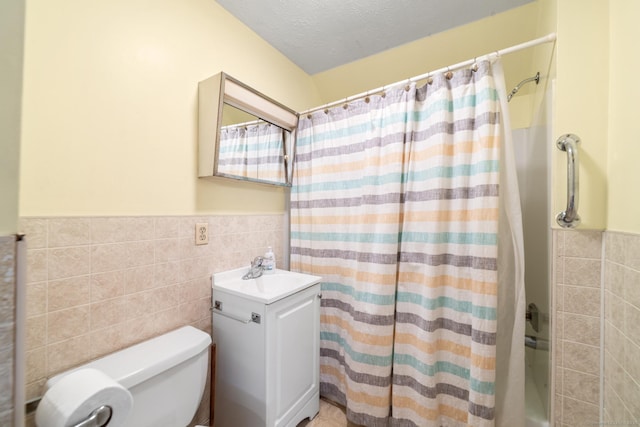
75	396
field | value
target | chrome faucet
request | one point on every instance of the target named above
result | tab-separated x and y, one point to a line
255	270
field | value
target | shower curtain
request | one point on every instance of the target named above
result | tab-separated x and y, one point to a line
397	202
253	151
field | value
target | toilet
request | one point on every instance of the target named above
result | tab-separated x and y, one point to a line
165	375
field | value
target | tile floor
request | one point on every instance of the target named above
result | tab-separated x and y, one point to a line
330	415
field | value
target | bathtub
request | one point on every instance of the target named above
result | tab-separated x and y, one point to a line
535	414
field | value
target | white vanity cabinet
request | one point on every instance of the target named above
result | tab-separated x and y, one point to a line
267	366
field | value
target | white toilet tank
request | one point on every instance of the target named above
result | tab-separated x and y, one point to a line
166	376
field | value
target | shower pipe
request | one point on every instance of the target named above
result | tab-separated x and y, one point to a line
515	90
569	218
545	39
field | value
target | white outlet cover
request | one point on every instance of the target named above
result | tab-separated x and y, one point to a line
202	233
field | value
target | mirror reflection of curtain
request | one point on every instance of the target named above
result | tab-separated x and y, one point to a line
252	151
395	203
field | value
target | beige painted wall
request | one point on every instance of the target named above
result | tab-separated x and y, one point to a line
595	99
578	62
581	104
109	114
110	106
623	170
544	56
11	43
439	50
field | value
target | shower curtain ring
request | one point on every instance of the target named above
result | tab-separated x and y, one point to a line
448	74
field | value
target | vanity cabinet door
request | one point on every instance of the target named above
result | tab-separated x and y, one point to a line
293	352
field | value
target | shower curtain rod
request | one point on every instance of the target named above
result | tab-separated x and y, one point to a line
531	43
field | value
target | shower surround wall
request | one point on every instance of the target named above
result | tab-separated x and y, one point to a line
98	284
578	285
577	258
622	329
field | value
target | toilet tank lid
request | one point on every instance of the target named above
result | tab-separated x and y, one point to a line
137	363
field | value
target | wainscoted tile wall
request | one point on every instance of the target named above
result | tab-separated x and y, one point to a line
7	327
98	284
622	329
577	259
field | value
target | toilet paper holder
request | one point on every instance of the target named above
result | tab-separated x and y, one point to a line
98	418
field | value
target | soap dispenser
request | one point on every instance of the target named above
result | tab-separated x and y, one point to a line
269	262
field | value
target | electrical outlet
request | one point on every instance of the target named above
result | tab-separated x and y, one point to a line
202	233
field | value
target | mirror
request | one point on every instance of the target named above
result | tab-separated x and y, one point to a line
251	148
243	134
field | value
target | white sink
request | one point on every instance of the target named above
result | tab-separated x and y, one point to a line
268	288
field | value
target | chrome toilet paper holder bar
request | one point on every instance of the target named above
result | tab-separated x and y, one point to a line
31	405
98	418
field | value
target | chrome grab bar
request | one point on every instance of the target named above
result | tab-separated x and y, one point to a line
569	218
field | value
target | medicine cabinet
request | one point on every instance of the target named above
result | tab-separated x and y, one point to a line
243	134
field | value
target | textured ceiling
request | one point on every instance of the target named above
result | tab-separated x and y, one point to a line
322	34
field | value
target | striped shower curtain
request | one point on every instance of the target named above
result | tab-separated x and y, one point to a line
396	204
253	151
